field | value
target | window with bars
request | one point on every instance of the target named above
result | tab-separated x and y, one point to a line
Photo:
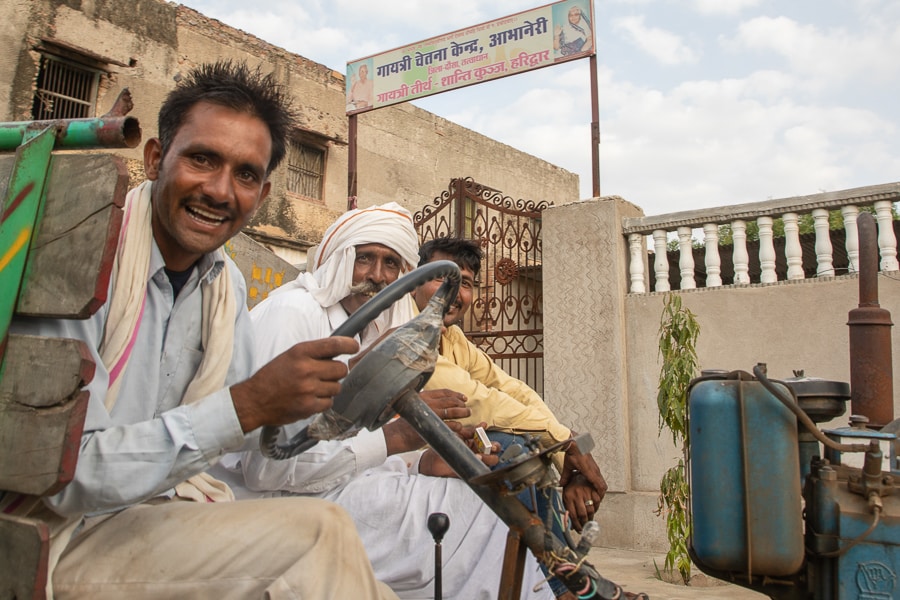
306	169
65	90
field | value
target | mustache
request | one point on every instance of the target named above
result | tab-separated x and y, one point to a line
367	287
210	203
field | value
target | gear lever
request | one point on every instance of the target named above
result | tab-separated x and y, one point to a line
438	523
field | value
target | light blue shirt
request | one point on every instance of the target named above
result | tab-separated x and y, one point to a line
150	442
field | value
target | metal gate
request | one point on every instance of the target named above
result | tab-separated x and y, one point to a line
506	320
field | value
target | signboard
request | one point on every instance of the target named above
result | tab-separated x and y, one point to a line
525	41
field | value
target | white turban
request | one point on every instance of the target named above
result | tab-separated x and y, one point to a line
331	270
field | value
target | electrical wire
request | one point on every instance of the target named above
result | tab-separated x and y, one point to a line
875	501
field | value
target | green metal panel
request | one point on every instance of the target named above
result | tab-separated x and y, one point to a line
20	217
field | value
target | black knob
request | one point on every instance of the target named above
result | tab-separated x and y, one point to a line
438	523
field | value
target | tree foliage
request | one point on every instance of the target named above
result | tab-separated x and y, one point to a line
678	332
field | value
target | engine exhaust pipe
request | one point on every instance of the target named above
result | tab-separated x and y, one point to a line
871	377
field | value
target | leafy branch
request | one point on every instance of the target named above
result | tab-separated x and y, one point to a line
678	333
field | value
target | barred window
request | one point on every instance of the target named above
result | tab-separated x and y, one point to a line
306	169
65	90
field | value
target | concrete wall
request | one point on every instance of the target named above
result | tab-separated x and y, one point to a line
602	363
405	154
14	16
409	155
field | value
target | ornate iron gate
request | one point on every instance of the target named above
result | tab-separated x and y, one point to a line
506	319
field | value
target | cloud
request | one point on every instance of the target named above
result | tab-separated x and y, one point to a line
723	7
708	143
662	45
827	58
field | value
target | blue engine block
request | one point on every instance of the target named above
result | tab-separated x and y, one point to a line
778	512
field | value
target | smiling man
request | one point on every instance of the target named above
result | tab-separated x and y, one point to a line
173	390
212	183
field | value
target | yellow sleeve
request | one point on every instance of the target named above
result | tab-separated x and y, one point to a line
494	397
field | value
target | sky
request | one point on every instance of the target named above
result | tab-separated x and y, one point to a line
702	103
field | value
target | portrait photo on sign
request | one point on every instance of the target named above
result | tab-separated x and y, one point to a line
360	86
572	29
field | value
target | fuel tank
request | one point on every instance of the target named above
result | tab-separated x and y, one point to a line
746	501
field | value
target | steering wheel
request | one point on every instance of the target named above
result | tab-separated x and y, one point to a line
401	362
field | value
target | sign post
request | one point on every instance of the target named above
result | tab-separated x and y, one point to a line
533	39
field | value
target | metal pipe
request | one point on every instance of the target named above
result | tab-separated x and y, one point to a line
595	128
101	132
791	403
352	173
871	378
510	510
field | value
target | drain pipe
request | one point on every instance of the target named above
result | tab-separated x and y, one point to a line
871	366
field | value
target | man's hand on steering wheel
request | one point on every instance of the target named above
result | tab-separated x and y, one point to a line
294	385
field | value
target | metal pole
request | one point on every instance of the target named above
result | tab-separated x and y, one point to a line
595	128
351	163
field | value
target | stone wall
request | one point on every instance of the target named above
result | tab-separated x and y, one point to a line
409	155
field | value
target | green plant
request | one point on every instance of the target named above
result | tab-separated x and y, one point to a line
678	331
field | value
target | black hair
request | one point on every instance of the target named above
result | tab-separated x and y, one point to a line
232	85
466	253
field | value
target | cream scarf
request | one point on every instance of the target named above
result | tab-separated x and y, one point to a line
129	292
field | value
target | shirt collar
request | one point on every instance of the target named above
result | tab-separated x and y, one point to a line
337	316
209	266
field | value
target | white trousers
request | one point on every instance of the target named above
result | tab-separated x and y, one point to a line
298	548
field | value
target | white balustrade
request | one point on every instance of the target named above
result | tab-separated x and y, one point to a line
793	252
741	256
713	262
792	211
850	214
824	250
636	265
661	262
766	251
887	241
686	262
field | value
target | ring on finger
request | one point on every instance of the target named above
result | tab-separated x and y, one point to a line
588	502
445	413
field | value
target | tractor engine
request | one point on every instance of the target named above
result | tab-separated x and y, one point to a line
782	507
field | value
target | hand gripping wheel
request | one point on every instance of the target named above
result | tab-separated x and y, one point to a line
401	362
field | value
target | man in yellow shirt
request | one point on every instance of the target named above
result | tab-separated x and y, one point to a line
505	403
